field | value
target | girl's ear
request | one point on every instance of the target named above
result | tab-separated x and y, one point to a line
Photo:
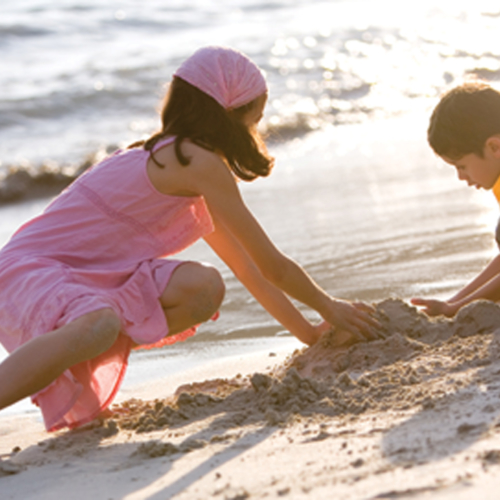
493	144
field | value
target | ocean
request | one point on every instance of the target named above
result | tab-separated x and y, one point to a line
356	196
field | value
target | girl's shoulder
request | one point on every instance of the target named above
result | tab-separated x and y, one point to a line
170	176
198	157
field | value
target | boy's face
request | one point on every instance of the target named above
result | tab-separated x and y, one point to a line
476	171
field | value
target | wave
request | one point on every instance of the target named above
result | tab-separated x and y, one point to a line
22	183
487	74
22	30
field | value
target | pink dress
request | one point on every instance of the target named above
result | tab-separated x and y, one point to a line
99	244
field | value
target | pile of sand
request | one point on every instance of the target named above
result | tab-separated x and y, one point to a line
412	414
331	381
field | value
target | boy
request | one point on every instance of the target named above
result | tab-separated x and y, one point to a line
464	131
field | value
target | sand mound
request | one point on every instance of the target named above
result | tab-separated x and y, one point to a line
328	380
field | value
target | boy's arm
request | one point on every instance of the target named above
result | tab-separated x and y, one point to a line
489	291
489	272
485	286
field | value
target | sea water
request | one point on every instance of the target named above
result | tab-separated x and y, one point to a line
356	196
77	75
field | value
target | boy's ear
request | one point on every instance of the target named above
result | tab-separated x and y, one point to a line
493	144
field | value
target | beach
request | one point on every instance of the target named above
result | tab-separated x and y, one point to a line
413	415
243	410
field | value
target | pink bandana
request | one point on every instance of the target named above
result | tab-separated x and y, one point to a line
227	75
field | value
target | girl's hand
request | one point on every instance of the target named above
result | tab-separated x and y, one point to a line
339	338
433	307
355	317
318	331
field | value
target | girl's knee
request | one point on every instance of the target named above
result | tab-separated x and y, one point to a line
197	288
215	284
206	294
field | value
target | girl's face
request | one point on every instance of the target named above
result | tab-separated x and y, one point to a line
254	115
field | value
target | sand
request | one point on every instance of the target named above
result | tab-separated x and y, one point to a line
413	415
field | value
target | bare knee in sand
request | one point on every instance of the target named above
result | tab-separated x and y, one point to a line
193	295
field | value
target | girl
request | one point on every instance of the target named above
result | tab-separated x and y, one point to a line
86	281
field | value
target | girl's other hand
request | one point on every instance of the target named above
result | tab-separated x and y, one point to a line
338	338
433	307
314	333
355	317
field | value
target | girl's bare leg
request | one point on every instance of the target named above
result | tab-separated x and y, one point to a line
37	363
193	295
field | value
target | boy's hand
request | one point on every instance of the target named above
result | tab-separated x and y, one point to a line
433	307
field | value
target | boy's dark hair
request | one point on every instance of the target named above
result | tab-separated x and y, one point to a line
189	113
464	119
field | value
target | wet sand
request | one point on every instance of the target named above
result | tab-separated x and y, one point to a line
413	415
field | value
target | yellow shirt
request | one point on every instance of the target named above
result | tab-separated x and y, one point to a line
496	190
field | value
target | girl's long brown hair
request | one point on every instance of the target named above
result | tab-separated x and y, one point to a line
189	113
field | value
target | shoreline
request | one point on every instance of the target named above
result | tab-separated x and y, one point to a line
412	416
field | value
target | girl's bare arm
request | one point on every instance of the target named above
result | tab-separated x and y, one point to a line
212	179
269	296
